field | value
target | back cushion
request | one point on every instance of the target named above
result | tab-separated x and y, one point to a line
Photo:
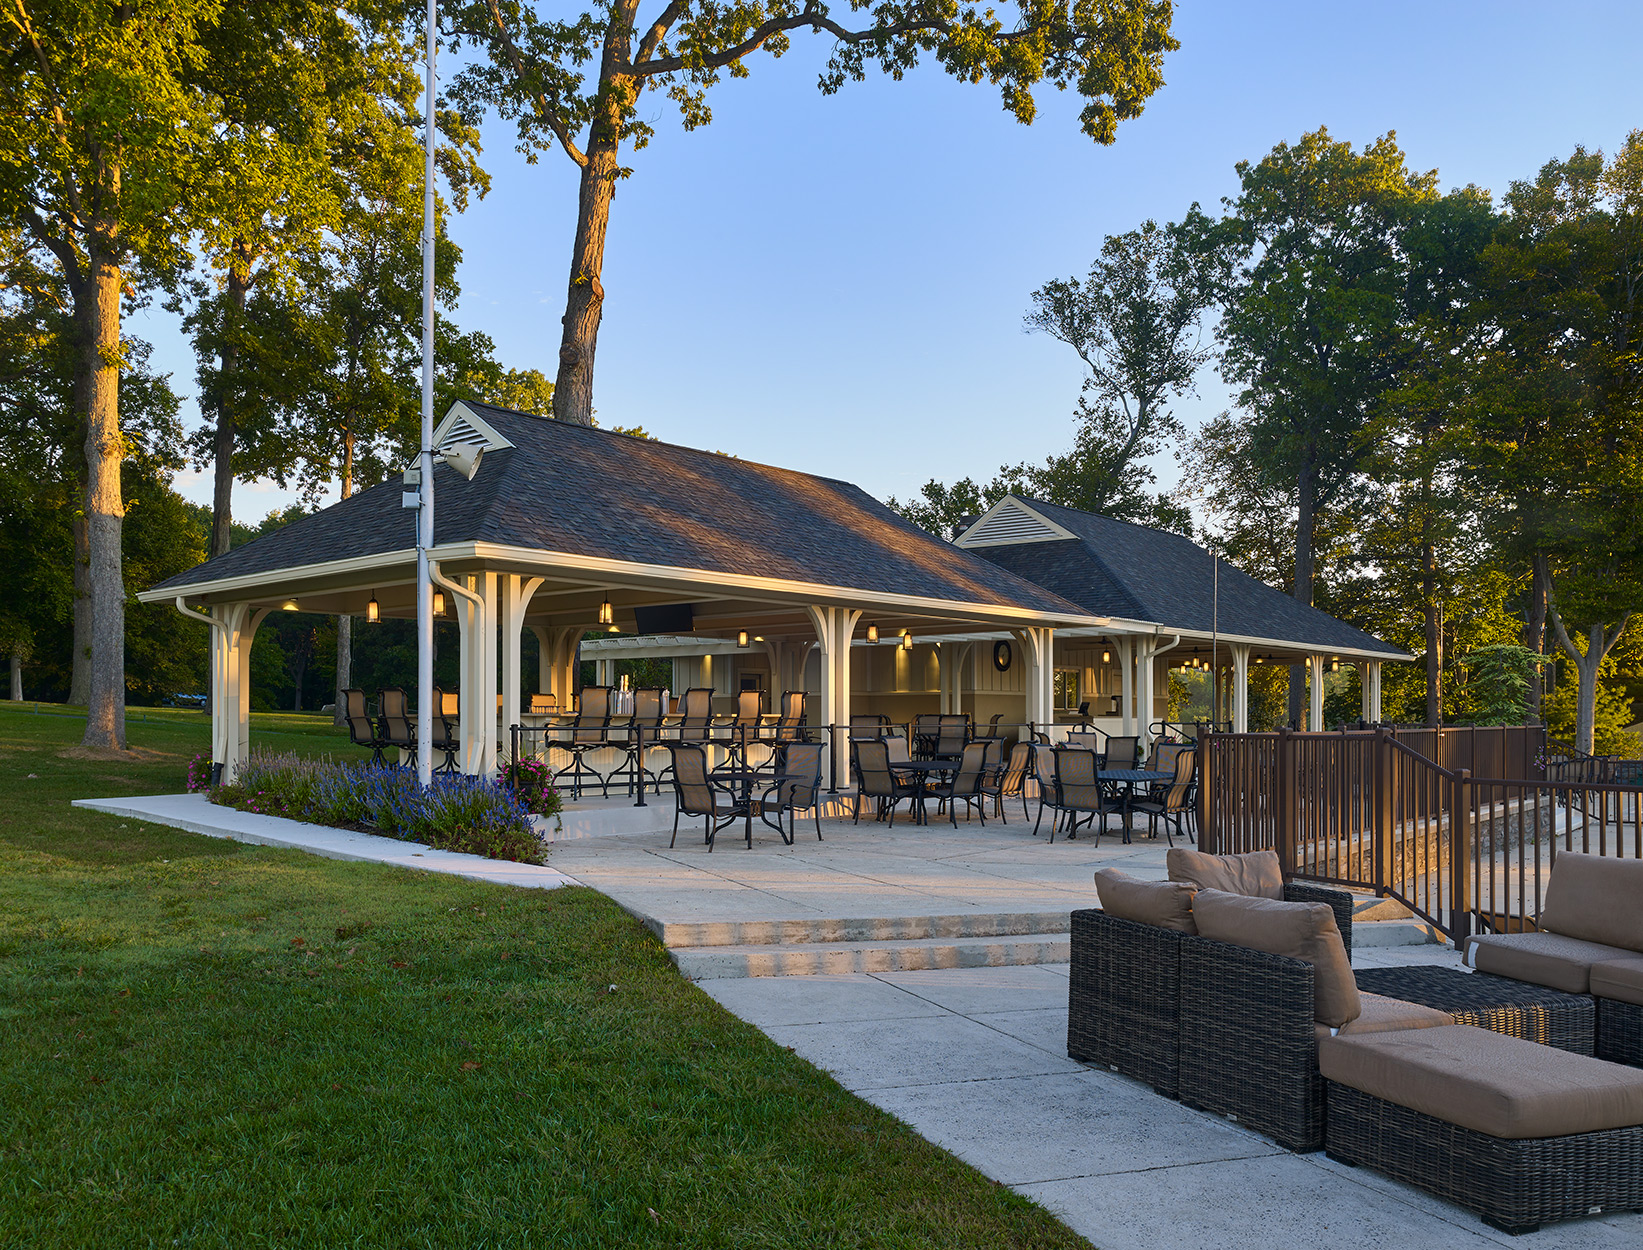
1255	875
1163	904
1596	898
1299	930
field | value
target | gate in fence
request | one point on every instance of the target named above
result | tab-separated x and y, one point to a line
1462	832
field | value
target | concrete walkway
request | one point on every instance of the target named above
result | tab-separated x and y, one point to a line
196	814
975	1060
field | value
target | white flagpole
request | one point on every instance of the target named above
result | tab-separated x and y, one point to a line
425	514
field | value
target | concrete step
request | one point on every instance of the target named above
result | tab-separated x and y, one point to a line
707	963
1411	932
828	930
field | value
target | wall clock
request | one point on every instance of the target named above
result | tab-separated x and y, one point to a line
1002	656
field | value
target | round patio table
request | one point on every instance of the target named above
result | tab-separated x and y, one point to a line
745	778
1130	778
924	770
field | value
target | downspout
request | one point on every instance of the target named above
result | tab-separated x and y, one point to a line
218	749
470	697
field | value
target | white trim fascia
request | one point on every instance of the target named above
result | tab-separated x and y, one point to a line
788	590
1311	648
1060	531
494	439
279	577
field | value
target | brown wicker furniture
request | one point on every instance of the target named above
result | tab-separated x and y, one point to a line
1619	1032
1516	1008
1124	998
1518	1133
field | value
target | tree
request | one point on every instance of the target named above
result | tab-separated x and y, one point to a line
1561	401
95	152
1135	322
1312	274
575	84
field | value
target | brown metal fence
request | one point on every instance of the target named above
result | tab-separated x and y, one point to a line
1463	847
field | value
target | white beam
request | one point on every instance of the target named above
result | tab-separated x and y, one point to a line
1240	689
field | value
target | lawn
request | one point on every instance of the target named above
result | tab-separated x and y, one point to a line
204	1043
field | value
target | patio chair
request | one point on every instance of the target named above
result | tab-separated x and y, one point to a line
1078	785
867	726
590	732
790	723
1162	757
1174	803
640	733
965	785
795	790
1048	796
395	726
1090	741
926	733
362	730
447	728
541	705
899	751
992	730
696	793
746	727
952	735
1122	752
1012	780
695	722
875	781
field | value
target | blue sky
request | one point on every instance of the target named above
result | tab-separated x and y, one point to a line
837	284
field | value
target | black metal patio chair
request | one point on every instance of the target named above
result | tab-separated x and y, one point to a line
1080	792
796	789
874	780
1011	780
790	726
395	726
697	794
640	732
1048	796
362	730
1175	803
1121	752
926	734
446	728
964	785
589	732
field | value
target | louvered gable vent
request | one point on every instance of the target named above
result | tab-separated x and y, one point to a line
1011	523
462	426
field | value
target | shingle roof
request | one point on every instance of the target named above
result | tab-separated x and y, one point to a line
589	492
1114	568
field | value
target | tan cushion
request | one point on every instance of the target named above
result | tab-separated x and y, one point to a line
1388	1015
1488	1082
1597	898
1549	959
1619	979
1163	904
1255	875
1299	930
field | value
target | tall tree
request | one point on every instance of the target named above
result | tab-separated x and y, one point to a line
1312	328
1135	321
575	84
96	148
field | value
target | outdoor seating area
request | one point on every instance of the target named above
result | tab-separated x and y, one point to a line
1232	990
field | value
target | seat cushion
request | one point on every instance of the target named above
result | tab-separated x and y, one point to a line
1488	1082
1595	898
1298	930
1255	875
1388	1015
1549	959
1619	979
1163	904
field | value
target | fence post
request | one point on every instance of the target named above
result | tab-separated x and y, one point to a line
1207	839
1381	849
1460	857
1285	834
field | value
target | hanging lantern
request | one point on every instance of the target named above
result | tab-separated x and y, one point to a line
741	638
439	602
1106	657
373	610
907	642
290	605
607	614
872	633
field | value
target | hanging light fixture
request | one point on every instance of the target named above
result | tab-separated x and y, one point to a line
290	605
872	633
741	638
1334	664
607	614
373	610
906	641
1106	657
439	602
1260	659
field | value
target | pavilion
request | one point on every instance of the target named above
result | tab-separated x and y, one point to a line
748	577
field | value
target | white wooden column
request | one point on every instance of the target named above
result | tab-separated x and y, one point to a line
1315	681
1038	653
834	629
1374	713
516	600
1123	647
468	626
490	633
248	633
1240	689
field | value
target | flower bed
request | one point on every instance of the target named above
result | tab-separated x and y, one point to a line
456	813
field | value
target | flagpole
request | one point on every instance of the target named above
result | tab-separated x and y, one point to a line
425	513
1215	639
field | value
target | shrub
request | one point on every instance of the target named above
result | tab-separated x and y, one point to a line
533	783
199	774
472	814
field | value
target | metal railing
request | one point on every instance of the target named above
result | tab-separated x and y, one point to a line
1369	810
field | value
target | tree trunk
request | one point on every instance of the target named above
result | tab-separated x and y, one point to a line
1434	633
1305	523
16	676
228	393
79	682
1600	640
573	387
104	505
1534	629
345	623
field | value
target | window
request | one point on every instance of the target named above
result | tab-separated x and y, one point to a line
1066	689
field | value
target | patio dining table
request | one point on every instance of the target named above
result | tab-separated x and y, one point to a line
745	779
923	770
1130	778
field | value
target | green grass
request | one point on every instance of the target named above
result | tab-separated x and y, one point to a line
203	1043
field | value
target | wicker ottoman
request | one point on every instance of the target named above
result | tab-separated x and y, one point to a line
1517	1132
1499	1004
1620	1032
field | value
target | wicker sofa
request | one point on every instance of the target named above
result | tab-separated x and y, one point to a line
1590	941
